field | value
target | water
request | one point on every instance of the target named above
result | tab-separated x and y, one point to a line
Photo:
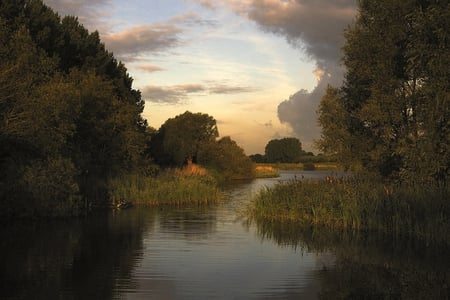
212	253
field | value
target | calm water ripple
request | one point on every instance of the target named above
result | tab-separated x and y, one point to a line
211	253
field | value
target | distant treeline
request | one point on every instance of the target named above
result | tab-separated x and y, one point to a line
288	150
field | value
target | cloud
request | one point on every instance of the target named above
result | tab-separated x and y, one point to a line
178	94
192	19
93	15
143	39
170	94
316	28
225	89
149	68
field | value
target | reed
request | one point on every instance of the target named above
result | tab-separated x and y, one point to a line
171	188
358	203
266	171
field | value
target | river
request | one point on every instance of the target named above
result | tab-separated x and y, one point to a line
213	253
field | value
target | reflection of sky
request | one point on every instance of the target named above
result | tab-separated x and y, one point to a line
228	261
232	263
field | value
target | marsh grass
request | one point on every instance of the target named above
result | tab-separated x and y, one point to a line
410	210
324	166
175	188
266	171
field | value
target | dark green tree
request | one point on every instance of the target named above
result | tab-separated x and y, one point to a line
227	159
69	118
285	150
391	115
180	139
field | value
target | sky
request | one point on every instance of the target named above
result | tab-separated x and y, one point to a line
259	67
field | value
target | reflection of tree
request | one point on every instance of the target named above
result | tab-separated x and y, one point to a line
368	265
193	223
78	259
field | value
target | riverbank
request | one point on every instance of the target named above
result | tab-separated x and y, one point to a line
272	170
358	203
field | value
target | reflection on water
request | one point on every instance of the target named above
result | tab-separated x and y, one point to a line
200	253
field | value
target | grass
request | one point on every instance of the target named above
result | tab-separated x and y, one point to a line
174	187
265	171
300	166
411	210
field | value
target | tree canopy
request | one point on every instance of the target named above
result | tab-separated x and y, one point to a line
391	116
180	138
191	137
226	158
285	150
69	117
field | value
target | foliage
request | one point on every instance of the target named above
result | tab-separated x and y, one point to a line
258	158
191	138
285	150
227	159
266	171
358	203
180	139
69	118
169	188
391	117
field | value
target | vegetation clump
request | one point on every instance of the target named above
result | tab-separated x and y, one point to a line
172	187
358	203
266	171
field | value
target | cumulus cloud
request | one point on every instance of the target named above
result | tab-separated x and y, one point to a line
299	111
316	28
179	93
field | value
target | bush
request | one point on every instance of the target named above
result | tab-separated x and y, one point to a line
309	166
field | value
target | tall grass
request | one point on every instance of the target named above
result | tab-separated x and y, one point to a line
410	210
266	171
170	188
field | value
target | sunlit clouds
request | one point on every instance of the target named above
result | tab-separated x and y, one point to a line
258	67
143	39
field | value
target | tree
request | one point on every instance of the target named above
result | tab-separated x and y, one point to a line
69	117
391	115
180	139
227	158
286	150
337	141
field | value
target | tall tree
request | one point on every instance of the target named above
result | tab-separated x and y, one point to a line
285	150
391	115
69	117
179	139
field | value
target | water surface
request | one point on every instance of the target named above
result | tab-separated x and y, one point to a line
213	253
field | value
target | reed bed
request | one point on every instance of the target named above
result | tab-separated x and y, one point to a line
266	171
171	188
352	203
